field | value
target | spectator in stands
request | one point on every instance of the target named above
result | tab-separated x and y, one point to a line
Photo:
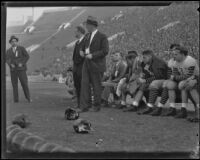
16	58
117	74
95	49
184	67
153	68
78	61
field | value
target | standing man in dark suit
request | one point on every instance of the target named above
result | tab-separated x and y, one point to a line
78	61
16	58
95	49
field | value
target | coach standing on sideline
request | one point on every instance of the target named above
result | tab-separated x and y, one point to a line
95	49
16	58
78	61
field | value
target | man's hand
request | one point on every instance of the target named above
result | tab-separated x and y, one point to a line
141	80
82	54
12	65
172	77
19	65
89	56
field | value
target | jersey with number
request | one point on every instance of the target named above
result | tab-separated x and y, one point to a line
185	69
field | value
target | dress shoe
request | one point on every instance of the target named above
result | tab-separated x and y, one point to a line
170	112
156	112
132	108
120	106
147	110
182	113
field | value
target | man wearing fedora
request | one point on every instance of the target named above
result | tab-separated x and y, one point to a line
95	49
16	58
78	61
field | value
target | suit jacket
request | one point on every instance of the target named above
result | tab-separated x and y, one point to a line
99	48
157	70
77	59
118	71
22	58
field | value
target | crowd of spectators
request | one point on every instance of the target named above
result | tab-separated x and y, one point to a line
141	27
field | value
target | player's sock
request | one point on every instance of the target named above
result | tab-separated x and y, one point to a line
149	105
153	94
135	103
123	103
164	96
172	105
160	104
184	105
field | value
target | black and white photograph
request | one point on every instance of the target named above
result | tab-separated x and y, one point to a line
100	80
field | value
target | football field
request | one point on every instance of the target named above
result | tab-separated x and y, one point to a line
114	130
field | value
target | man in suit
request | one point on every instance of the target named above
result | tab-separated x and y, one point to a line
78	61
118	72
16	58
95	49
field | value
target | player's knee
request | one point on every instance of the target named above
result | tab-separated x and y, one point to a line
182	85
171	85
153	85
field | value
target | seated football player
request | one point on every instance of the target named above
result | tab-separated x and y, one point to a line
118	72
183	67
153	68
192	86
127	84
158	87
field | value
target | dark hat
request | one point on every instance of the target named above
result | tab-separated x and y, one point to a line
71	114
13	37
92	20
81	29
131	54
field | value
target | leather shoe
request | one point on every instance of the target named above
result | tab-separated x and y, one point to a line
156	112
170	112
147	110
132	108
182	114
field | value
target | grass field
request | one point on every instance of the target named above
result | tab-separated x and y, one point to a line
118	131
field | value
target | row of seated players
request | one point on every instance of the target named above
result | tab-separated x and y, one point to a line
150	77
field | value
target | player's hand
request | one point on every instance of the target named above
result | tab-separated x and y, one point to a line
142	80
172	77
89	56
19	65
12	65
82	54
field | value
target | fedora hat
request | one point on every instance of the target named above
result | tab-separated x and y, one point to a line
91	20
131	54
13	37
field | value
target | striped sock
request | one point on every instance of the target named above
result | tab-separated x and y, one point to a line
164	96
153	94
